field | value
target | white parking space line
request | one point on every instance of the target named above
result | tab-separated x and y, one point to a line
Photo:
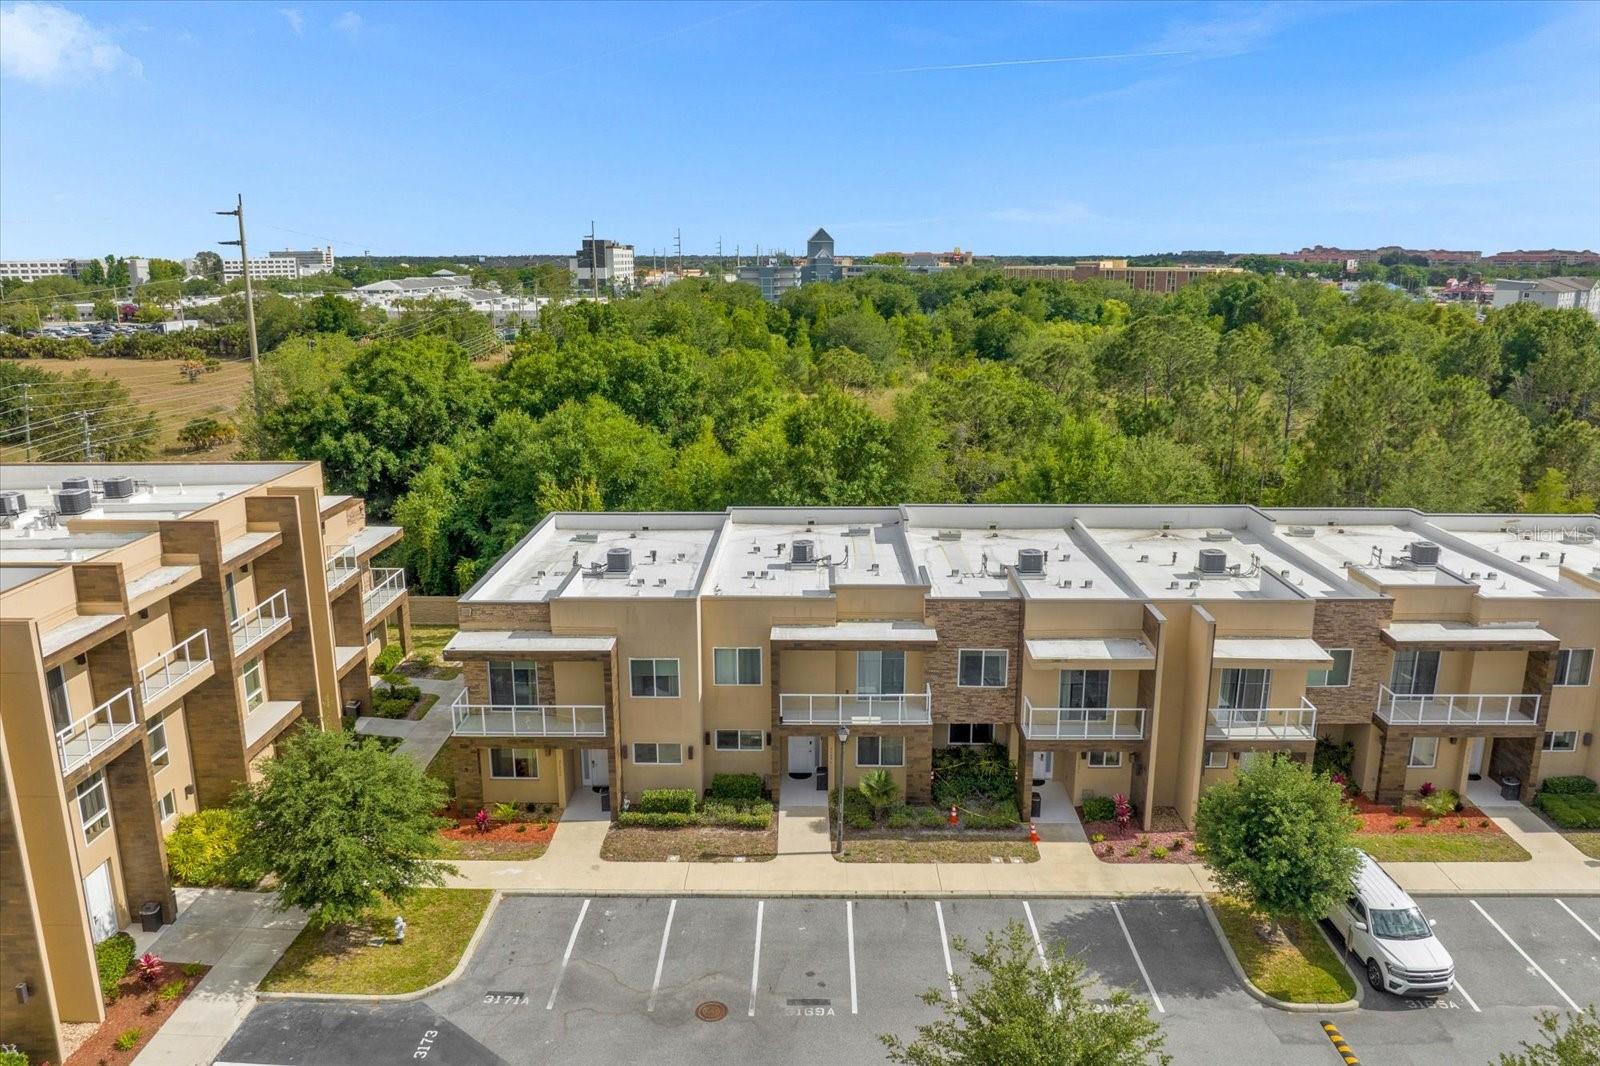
755	966
1586	926
1470	1001
850	937
572	941
1116	910
944	942
661	957
1526	957
1038	945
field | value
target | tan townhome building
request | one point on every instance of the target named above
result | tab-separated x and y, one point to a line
162	626
1147	651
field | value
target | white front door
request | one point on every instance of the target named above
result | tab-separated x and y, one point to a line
802	755
1043	763
97	900
596	767
1475	757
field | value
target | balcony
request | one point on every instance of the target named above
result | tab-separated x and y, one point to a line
388	585
1516	709
815	708
78	742
265	617
1275	724
341	566
178	663
1082	723
495	720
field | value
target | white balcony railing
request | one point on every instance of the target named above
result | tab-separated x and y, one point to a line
1082	723
270	614
494	720
342	565
835	708
77	742
1431	708
387	585
1264	723
175	664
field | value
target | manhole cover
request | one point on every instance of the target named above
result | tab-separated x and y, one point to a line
711	1011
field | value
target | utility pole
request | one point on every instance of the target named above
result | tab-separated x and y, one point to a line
88	448
249	302
594	264
678	241
720	268
27	420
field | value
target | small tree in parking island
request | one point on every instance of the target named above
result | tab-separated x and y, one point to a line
1279	836
1576	1045
343	825
1024	1013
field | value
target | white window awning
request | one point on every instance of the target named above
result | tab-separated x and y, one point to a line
1103	653
858	633
1469	634
483	642
1268	651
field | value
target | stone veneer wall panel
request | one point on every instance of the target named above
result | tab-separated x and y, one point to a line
974	624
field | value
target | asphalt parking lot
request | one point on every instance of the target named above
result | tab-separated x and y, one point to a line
816	980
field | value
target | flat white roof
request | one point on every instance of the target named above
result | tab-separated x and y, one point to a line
1270	649
1541	543
58	546
1376	547
864	546
527	641
1164	563
964	556
860	633
566	556
163	490
1124	652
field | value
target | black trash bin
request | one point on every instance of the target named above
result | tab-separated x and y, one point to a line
1510	787
822	779
1037	808
352	708
150	917
605	800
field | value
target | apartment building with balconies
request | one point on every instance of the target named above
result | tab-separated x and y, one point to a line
1148	651
162	626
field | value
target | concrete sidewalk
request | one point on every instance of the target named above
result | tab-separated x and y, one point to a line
428	733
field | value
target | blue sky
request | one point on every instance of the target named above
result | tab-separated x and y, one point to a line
1063	128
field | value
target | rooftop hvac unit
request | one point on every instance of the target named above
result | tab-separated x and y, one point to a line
12	503
117	488
948	534
803	552
70	483
1212	561
1030	562
74	501
1218	534
1424	553
619	560
1302	531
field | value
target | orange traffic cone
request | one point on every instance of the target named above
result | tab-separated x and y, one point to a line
1033	833
953	818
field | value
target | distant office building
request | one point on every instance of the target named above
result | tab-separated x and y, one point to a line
1550	257
285	264
1559	294
819	263
34	269
604	261
1158	279
772	276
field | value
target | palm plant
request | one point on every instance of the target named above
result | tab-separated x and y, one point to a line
880	791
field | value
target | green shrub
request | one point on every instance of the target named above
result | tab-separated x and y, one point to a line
172	990
1568	785
388	659
735	787
505	812
1098	809
666	801
1439	803
128	1039
658	819
995	817
1571	811
1097	838
1158	852
1402	823
113	956
857	811
203	850
1331	758
13	1058
974	776
750	815
916	817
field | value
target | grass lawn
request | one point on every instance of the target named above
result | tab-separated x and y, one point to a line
903	849
1304	968
1588	843
439	922
427	644
697	844
468	850
1441	847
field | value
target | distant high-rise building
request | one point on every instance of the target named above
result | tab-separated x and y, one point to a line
772	275
34	269
820	264
609	263
284	264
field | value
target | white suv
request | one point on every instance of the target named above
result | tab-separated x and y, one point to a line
1382	927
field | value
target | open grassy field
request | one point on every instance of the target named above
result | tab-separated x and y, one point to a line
156	386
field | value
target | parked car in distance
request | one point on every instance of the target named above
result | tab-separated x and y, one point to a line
1383	928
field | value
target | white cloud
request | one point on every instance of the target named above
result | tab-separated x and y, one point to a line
348	23
48	45
295	18
1238	28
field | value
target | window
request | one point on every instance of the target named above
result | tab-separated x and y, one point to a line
255	692
1573	666
519	764
1244	689
1415	673
1335	676
513	684
93	813
653	678
1424	752
1086	688
169	806
971	733
658	754
233	598
1561	740
60	705
1216	759
982	668
880	751
738	739
157	731
1105	759
880	673
736	666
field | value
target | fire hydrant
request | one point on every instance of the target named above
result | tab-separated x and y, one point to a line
953	818
399	929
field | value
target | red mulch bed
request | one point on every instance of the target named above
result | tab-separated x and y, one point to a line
137	1007
1120	842
466	829
1380	818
